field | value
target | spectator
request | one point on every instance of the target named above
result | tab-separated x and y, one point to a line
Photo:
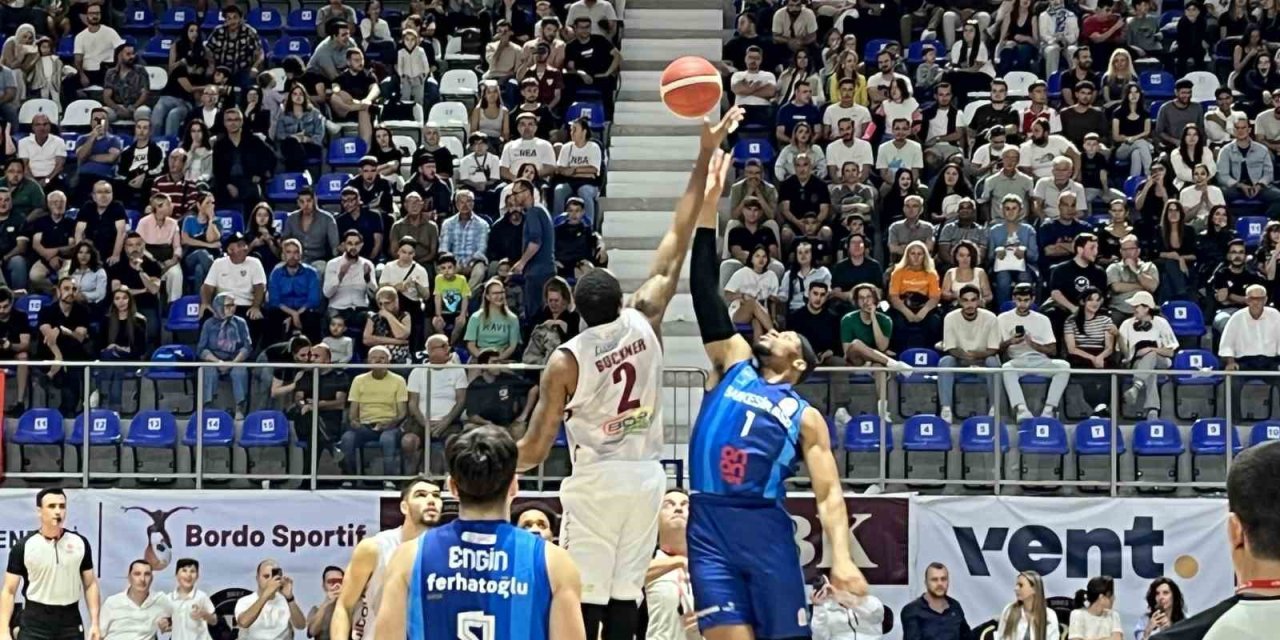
467	235
489	116
1027	616
1246	170
26	194
1251	342
126	89
1006	180
173	182
314	228
910	228
497	398
1230	283
64	333
43	154
329	59
1191	36
899	153
1200	197
493	326
754	87
94	48
356	95
1178	113
201	238
800	195
162	240
97	153
1147	343
236	46
243	163
452	297
1040	154
970	338
1057	235
135	613
591	61
355	216
998	113
240	275
1193	149
935	615
1165	607
966	257
1129	278
1095	615
818	324
577	247
1090	338
264	243
437	397
85	268
293	295
548	36
318	617
269	613
1176	251
1081	72
194	609
798	108
14	242
125	339
856	269
502	57
349	280
140	164
105	222
417	222
753	184
1027	342
751	291
1131	130
374	191
174	103
332	14
964	226
848	149
389	326
281	381
944	126
579	167
1213	243
15	344
801	143
528	149
852	196
414	66
431	148
802	273
53	237
1069	280
299	130
432	187
865	335
914	294
845	107
379	399
225	340
1082	117
1013	248
329	406
479	171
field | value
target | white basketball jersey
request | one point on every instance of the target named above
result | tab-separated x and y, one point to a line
363	624
616	409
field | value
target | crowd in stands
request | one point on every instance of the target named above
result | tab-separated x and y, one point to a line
1062	186
354	176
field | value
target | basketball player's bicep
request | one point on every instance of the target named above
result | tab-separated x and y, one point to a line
357	575
566	596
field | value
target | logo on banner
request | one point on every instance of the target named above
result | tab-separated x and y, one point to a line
878	535
159	550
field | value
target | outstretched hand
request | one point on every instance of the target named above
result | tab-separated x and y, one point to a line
714	134
718	177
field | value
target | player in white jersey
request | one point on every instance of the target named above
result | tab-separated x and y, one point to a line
353	616
605	384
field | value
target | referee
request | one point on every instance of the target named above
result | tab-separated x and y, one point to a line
56	568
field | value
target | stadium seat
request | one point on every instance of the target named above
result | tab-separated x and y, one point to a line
1093	452
157	49
913	380
591	110
1204	84
38	105
1249	229
928	436
301	22
873	47
166	144
266	20
264	429
176	18
1042	445
103	431
1185	318
79	113
461	85
157	78
219	432
284	186
212	18
753	149
862	446
1197	361
132	218
412	125
346	152
1264	431
915	52
67	48
138	19
291	46
978	446
1156	84
1132	184
329	187
1156	447
31	304
184	315
151	429
451	118
278	219
39	427
1053	87
159	371
1208	450
230	221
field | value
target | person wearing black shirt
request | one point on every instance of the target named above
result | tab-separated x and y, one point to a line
357	92
858	268
15	344
1229	283
734	53
591	62
369	225
64	336
1079	73
329	408
935	615
800	194
816	323
105	223
122	337
431	148
373	189
1072	278
495	397
242	163
556	312
745	237
428	184
576	242
52	238
548	126
506	237
997	112
174	102
140	274
1083	117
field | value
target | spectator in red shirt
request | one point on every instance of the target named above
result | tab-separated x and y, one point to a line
1104	30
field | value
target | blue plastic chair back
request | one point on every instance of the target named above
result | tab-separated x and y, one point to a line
219	429
301	21
1042	435
918	358
591	110
1093	438
170	353
978	435
562	438
166	144
278	219
152	429
753	149
266	20
157	49
926	433
862	434
284	186
184	314
104	428
329	187
230	221
346	151
1185	318
915	52
1197	360
39	426
873	48
1264	431
1156	84
31	304
1249	229
176	18
1157	438
1053	85
1209	437
291	46
1132	184
132	218
264	429
138	18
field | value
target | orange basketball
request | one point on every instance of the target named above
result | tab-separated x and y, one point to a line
690	87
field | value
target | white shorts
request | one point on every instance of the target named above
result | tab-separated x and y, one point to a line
610	525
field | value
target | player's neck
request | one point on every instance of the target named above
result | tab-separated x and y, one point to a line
499	511
51	531
410	530
673	543
1256	569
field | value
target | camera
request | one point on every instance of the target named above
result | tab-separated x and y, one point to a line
277	572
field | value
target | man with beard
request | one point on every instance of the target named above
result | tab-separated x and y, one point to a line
970	338
1042	148
1229	284
242	163
94	50
818	324
140	274
64	336
999	112
362	583
125	89
1080	72
848	148
667	589
1083	118
329	405
935	615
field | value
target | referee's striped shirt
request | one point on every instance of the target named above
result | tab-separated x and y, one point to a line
52	579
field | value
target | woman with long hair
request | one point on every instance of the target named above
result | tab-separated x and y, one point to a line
20	55
1214	241
1176	255
803	272
1165	607
264	238
375	34
1149	201
201	238
1248	49
1090	336
1267	256
948	189
1147	343
899	106
1095	616
751	292
199	148
1253	83
552	325
189	48
1193	149
802	70
1113	231
801	142
411	280
1200	197
905	186
1234	21
1131	130
124	339
300	128
489	116
970	67
389	326
85	267
388	155
848	67
1116	80
1027	617
257	117
966	272
493	327
914	294
1019	39
1191	35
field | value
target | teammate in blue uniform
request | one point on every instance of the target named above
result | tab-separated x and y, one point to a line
479	577
751	433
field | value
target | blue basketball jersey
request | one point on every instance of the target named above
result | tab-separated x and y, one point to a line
745	439
479	580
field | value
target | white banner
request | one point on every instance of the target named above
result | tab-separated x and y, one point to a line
985	541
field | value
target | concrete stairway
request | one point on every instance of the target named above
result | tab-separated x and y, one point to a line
652	151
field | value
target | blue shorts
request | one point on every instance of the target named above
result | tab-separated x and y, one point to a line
745	567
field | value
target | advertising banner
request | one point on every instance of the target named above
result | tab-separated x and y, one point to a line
986	541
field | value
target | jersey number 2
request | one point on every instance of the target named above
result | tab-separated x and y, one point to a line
476	625
628	371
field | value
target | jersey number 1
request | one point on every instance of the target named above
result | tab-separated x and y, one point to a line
476	625
628	371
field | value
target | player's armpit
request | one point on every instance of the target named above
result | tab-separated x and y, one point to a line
566	596
554	389
391	617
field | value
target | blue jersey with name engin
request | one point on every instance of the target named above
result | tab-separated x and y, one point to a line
745	440
479	580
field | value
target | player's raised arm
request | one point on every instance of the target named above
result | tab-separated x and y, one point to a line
655	294
363	561
393	612
557	378
827	492
566	596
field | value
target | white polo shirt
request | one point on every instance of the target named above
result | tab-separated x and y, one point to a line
1246	336
181	605
42	157
839	153
237	280
272	622
124	619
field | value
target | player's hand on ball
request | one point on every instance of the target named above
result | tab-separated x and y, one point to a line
714	134
846	577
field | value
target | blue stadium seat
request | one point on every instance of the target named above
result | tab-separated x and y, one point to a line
1093	452
1249	229
104	431
914	379
284	186
266	20
1264	431
1156	84
219	432
1042	444
346	152
166	143
592	111
39	427
873	48
1053	86
230	221
1156	447
132	218
329	186
862	445
301	22
1208	448
173	20
977	448
291	46
1185	318
915	52
159	372
1195	361
1132	184
31	304
264	429
138	18
926	434
151	429
753	149
278	219
184	314
67	49
212	18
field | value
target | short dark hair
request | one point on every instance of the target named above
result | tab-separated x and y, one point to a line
51	491
534	505
1253	495
445	258
6	294
599	297
183	563
969	288
1184	84
482	463
350	233
1083	239
1220	91
1085	84
306	190
332	568
231	7
298	343
818	284
408	486
137	562
1237	242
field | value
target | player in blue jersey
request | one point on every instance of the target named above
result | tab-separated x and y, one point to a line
480	577
752	431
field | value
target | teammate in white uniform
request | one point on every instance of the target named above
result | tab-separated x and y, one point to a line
353	616
605	384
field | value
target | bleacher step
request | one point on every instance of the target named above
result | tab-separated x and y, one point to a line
652	113
682	33
666	50
639	184
652	148
666	20
685	128
633	5
652	164
615	203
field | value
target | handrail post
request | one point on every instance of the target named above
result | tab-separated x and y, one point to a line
314	450
1115	434
1229	425
87	423
199	470
997	403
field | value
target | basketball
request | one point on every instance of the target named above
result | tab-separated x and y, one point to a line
690	87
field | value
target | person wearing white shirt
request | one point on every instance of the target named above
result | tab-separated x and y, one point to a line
94	49
437	397
479	171
1027	616
270	613
136	613
1220	122
970	338
667	589
604	20
237	274
191	610
527	149
1200	198
753	87
1147	343
751	290
1027	340
44	153
844	108
348	279
848	147
1095	617
1042	149
1251	342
